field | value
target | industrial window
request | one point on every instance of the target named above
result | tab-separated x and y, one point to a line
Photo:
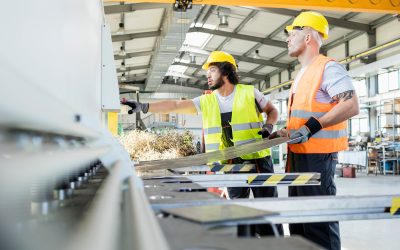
360	87
359	125
388	81
393	78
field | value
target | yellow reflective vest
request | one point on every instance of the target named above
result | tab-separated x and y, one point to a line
246	122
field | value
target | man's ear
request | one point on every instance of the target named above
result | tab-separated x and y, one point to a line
308	38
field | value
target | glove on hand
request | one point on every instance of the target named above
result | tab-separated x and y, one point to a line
266	130
279	133
304	133
136	107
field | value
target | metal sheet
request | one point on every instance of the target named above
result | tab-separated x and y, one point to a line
219	168
220	155
246	180
218	213
303	209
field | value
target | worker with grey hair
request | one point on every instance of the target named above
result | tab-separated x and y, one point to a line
321	100
232	115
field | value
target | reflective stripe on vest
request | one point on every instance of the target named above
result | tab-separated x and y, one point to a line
246	126
327	134
214	130
305	114
246	122
304	105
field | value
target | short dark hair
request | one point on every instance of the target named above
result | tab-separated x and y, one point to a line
227	69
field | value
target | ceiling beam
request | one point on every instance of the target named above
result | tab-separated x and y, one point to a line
134	54
238	28
243	58
115	9
135	77
134	83
242	74
186	84
261	40
331	20
127	37
134	68
263	62
341	40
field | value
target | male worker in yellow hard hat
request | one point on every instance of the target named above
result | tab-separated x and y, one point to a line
231	116
321	100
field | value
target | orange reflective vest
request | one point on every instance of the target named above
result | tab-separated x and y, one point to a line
304	105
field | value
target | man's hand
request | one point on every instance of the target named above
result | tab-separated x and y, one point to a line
280	133
304	133
266	130
136	107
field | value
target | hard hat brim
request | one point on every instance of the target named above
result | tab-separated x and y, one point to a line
206	66
291	27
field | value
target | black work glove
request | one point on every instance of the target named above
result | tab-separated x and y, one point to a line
136	107
304	133
266	130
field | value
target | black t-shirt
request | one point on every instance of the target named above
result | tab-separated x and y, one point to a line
226	119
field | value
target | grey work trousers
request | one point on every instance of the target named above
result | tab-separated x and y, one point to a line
325	234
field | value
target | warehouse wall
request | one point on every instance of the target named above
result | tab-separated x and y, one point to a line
387	33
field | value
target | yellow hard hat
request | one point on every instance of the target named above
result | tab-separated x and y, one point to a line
313	20
219	56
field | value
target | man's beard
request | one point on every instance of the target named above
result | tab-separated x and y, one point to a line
219	83
297	52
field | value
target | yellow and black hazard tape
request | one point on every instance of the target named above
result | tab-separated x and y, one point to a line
232	167
395	208
284	179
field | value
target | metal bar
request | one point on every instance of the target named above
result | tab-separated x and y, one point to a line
245	58
331	20
226	168
263	62
192	85
105	209
242	180
114	9
225	154
265	41
243	74
382	6
134	54
127	37
147	237
134	68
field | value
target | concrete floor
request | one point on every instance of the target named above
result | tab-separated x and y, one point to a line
372	234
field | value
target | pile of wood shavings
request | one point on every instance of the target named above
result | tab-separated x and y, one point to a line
147	146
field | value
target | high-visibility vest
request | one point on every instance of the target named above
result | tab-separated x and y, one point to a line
304	105
245	121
